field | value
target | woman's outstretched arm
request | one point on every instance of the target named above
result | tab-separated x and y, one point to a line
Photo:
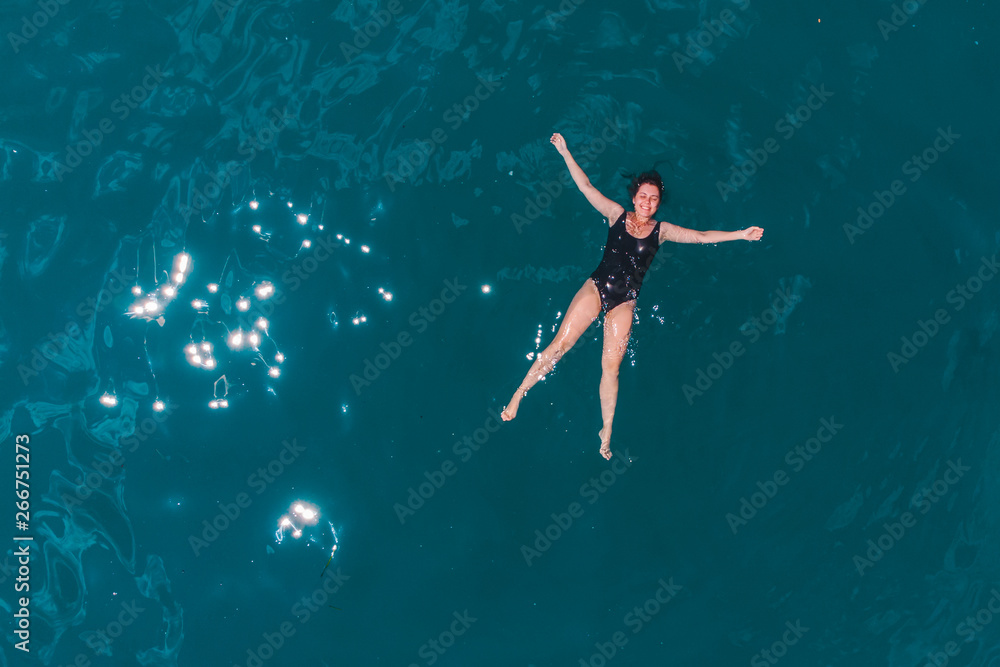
669	232
605	206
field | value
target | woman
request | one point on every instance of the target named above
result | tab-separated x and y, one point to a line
633	239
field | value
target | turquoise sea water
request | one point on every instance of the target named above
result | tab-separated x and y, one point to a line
806	438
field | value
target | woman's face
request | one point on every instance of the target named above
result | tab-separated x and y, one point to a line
646	200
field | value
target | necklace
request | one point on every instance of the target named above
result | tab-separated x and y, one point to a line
637	228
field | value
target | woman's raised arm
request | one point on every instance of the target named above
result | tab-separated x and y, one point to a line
604	206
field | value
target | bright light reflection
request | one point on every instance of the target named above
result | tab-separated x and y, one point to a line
300	515
365	249
279	357
302	218
243	304
158	406
254	204
136	290
195	358
264	291
487	289
213	287
236	339
109	400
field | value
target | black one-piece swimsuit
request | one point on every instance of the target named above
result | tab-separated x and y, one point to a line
626	259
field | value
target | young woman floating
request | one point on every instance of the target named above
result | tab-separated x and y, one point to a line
633	239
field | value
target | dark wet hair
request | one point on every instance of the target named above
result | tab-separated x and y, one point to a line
650	177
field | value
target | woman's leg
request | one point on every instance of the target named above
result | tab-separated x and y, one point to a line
617	328
582	311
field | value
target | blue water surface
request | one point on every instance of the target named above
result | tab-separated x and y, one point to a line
270	270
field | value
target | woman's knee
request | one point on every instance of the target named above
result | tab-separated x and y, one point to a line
555	351
610	365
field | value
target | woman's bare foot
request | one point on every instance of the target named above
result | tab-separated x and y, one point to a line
605	444
511	410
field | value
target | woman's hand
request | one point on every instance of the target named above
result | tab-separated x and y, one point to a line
752	233
560	143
